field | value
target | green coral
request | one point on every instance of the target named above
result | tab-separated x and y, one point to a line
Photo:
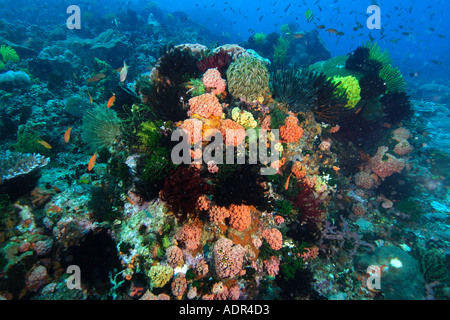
281	50
292	261
148	135
195	87
248	79
8	54
102	66
285	28
284	207
393	78
350	86
432	264
378	54
277	118
155	164
259	38
389	74
27	141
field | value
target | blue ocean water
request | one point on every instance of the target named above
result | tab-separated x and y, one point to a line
94	206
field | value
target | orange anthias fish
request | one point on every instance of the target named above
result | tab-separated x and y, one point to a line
67	135
321	26
124	72
92	161
90	98
331	30
45	144
111	101
97	77
130	200
286	186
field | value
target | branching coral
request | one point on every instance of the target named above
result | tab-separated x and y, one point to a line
13	164
281	50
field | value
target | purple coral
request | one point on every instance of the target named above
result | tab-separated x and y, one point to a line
228	258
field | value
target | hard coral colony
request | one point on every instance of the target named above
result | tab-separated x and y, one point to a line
90	179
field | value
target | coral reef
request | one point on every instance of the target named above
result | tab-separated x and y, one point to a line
300	170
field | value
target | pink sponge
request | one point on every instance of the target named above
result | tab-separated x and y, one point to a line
205	105
213	80
384	164
274	238
228	258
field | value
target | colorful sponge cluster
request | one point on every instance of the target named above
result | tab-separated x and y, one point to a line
213	80
205	105
232	132
291	132
274	238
